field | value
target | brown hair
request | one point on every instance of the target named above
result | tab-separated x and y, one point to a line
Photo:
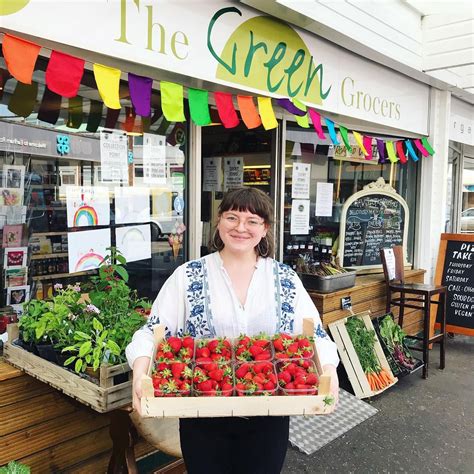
252	200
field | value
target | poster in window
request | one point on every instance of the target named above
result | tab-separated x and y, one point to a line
154	159
212	174
87	206
300	180
114	157
134	242
233	173
13	176
299	217
132	205
87	249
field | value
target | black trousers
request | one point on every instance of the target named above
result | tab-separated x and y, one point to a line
255	445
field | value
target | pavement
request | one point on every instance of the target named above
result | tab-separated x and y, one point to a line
422	425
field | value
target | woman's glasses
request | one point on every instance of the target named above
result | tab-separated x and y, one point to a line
234	221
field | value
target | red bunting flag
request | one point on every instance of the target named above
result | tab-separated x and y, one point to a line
400	152
316	119
226	110
20	56
64	74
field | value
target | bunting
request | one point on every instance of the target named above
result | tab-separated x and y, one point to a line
95	116
248	111
199	106
301	120
267	114
20	56
427	146
345	137
290	107
316	119
367	141
359	139
64	74
381	150
400	152
75	112
410	150
111	118
391	152
108	85
332	131
226	110
23	99
172	98
50	107
420	147
140	93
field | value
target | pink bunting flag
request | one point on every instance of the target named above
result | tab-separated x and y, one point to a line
367	141
316	119
226	110
420	147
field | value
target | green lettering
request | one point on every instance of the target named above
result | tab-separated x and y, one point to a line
219	13
250	54
298	59
123	20
277	56
310	77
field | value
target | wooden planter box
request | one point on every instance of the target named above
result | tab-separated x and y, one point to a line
102	397
350	360
275	405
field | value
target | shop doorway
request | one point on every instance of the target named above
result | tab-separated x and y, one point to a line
232	158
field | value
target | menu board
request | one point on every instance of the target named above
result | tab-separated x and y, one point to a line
371	219
455	270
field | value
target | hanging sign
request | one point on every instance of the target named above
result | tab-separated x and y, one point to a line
154	159
233	173
113	157
212	174
324	193
300	180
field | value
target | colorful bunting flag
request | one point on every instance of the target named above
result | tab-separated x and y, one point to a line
20	56
64	74
368	146
111	118
75	112
199	106
267	114
345	138
50	107
420	147
400	152
381	150
172	101
332	131
226	110
248	111
301	120
316	119
140	93
411	151
427	146
23	99
391	151
108	85
95	116
290	107
360	141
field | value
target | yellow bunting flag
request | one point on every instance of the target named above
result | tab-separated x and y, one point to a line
108	84
359	139
267	115
172	101
391	151
302	121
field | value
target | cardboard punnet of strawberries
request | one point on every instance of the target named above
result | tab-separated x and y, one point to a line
249	376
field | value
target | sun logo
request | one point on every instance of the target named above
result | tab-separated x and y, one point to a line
8	7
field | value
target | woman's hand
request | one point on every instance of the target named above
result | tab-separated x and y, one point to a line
331	370
140	368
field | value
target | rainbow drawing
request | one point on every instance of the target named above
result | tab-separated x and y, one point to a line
88	261
88	212
133	235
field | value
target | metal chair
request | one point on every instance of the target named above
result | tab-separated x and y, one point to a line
420	296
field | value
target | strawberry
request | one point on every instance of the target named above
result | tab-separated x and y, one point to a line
292	347
188	343
175	344
172	380
173	349
177	369
213	379
297	377
255	348
216	374
255	378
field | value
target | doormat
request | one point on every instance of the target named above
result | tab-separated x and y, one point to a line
311	433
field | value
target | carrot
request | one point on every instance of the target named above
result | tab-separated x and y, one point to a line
384	377
389	378
376	381
370	380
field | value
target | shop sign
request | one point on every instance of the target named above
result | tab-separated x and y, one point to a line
340	152
219	42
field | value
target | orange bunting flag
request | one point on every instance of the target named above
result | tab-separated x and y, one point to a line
267	114
64	74
20	56
226	110
248	111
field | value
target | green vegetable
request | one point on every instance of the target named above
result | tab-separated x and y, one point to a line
363	341
393	336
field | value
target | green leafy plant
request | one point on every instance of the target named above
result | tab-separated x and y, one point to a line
14	467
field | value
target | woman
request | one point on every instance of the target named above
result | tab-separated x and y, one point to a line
238	289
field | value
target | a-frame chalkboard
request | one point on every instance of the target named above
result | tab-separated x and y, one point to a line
455	270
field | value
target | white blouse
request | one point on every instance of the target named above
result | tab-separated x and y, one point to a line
198	299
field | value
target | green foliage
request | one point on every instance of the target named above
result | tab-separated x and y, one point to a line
14	467
95	331
363	341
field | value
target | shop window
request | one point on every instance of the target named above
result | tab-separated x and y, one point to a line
348	175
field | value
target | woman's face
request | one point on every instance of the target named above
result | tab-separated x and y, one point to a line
241	231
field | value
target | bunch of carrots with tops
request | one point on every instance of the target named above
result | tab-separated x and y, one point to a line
363	341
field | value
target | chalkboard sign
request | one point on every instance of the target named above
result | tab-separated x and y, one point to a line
455	270
373	218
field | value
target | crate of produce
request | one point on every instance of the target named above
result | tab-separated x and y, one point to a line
193	397
110	390
362	355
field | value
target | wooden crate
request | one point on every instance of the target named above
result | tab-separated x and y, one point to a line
102	397
277	405
350	360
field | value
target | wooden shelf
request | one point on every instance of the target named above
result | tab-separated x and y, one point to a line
61	275
48	255
34	234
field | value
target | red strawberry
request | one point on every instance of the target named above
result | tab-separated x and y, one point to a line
177	368
188	342
205	386
255	350
175	344
216	374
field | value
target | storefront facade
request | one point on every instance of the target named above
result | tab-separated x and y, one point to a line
228	47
